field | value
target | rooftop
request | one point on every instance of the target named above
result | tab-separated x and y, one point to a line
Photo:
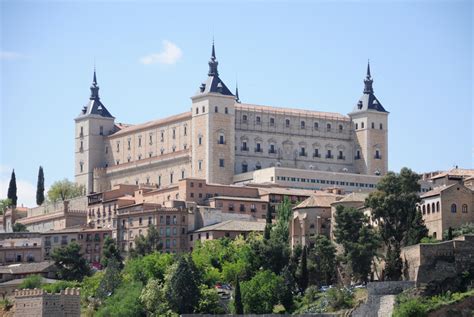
319	200
25	268
235	225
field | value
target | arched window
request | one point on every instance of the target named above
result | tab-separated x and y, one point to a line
424	209
244	118
328	127
381	126
287	123
216	109
357	126
437	206
464	208
303	124
428	209
340	128
453	208
316	126
245	168
258	166
373	125
432	207
362	125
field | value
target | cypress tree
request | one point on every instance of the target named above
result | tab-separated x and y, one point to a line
304	269
450	233
12	190
268	226
238	307
40	187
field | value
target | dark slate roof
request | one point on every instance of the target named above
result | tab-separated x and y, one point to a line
368	101
95	106
213	83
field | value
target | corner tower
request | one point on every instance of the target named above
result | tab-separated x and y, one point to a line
213	128
93	124
370	124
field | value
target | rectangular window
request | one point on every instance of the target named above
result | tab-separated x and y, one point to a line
101	130
221	162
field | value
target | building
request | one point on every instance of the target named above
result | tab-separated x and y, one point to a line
91	241
226	229
55	216
11	216
22	270
37	302
20	247
221	138
311	218
447	206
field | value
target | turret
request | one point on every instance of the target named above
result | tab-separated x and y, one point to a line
370	124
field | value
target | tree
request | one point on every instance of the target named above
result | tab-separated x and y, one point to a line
303	270
322	262
281	231
31	282
288	288
417	230
110	252
209	301
151	266
147	244
393	204
125	302
268	225
154	300
112	279
70	263
261	293
450	233
182	286
19	227
63	190
12	190
4	204
238	307
360	242
393	264
40	187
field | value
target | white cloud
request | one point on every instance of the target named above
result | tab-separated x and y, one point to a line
26	191
9	55
170	55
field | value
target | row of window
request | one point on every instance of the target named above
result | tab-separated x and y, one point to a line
258	121
216	109
431	208
324	181
362	125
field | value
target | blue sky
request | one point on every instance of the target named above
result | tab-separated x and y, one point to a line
152	56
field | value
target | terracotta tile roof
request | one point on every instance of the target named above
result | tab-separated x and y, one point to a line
456	172
319	200
286	191
238	198
152	124
235	225
436	191
25	268
355	197
292	111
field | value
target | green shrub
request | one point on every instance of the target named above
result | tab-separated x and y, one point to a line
59	286
411	308
340	298
31	282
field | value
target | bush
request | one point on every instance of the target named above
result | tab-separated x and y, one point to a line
124	303
340	298
31	282
59	286
411	308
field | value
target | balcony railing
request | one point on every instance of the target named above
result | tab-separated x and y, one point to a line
341	157
328	156
378	157
303	154
258	150
316	155
272	151
357	157
244	148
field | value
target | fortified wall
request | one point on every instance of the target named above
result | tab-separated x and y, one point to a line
39	303
427	262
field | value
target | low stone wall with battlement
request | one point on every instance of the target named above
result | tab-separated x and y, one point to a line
38	303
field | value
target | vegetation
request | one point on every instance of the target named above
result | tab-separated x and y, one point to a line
31	282
19	227
322	262
64	189
146	245
467	228
40	187
238	307
4	204
359	240
393	205
110	252
59	286
70	263
12	190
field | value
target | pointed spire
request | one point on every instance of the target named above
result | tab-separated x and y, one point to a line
94	88
237	93
368	89
213	62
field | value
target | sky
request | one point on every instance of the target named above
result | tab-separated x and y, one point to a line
152	56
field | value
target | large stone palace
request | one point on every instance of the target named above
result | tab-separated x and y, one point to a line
225	141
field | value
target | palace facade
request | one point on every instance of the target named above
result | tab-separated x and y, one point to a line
222	139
